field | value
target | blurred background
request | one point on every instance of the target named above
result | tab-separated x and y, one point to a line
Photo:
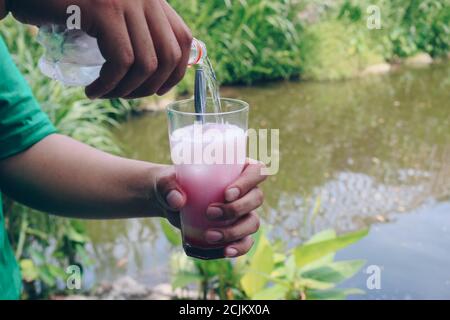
364	148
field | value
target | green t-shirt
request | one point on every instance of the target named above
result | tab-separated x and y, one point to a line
22	124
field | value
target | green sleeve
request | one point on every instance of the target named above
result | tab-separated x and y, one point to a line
22	122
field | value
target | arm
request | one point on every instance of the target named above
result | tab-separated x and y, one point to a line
71	179
66	177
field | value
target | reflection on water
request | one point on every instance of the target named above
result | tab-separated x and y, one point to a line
353	153
412	253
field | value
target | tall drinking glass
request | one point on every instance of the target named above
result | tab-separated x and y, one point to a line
209	153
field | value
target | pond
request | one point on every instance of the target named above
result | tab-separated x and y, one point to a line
373	151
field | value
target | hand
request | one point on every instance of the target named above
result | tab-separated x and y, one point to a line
242	197
169	195
145	43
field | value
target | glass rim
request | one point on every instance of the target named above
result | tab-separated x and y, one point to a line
244	106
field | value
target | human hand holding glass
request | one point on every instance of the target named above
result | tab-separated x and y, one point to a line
236	238
216	199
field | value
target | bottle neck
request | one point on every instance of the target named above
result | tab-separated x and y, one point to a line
198	52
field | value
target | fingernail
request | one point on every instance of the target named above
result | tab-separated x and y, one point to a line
174	199
214	212
232	194
213	236
231	252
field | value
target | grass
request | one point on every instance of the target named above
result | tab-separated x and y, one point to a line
334	50
248	41
256	40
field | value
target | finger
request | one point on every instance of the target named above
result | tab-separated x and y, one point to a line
145	59
245	226
118	62
239	248
184	37
249	178
167	49
249	202
168	192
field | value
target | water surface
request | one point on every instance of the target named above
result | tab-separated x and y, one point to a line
371	151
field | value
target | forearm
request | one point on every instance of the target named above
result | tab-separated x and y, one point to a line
65	177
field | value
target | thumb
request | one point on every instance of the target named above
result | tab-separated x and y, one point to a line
175	199
169	193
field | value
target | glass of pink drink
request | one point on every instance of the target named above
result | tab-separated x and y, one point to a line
209	153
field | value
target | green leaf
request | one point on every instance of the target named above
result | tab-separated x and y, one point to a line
56	271
316	284
279	245
332	294
334	272
37	233
182	279
76	236
242	261
276	292
279	258
83	255
261	265
256	238
28	270
322	235
311	252
327	234
46	276
180	262
284	269
172	235
290	268
37	256
214	267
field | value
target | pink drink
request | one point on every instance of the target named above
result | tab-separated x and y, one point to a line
208	158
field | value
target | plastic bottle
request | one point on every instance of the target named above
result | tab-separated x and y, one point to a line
73	58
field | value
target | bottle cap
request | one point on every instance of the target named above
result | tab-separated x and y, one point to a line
201	50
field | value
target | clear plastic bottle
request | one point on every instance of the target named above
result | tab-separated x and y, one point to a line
73	58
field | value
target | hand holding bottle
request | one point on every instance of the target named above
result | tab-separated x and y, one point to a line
145	43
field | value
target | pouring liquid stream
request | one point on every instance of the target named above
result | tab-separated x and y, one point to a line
213	87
